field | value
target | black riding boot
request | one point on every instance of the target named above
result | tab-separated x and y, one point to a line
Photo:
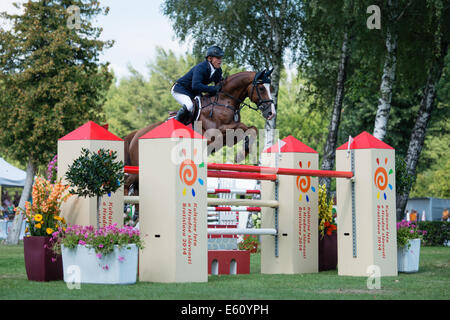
183	115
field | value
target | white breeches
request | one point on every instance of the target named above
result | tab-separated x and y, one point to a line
183	99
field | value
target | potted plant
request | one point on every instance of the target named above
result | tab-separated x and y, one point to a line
43	219
108	255
327	232
408	245
95	174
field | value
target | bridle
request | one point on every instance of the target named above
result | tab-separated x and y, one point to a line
261	77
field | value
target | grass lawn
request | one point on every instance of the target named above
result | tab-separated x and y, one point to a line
431	282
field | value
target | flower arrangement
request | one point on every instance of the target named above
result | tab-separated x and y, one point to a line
101	240
42	213
250	243
407	230
327	223
52	169
95	174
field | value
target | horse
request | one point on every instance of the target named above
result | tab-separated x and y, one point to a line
221	112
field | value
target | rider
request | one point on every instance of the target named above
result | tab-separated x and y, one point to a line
196	81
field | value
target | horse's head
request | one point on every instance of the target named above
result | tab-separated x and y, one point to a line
259	93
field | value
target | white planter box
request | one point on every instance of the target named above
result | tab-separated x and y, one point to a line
81	265
408	259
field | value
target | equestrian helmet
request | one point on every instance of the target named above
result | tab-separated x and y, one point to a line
214	51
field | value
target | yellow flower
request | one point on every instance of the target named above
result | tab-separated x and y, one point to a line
37	226
49	230
38	217
57	218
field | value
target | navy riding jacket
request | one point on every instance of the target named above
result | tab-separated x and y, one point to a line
197	79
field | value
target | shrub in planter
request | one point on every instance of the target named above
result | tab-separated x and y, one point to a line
95	175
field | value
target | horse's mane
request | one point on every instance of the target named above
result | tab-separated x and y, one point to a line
232	77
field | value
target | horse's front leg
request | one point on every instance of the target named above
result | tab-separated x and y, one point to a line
236	132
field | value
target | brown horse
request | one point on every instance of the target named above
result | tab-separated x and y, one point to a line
220	112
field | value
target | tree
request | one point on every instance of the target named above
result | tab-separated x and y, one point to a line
53	81
439	31
136	102
394	10
254	33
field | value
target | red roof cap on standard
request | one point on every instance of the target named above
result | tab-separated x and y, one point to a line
291	144
365	141
91	131
172	129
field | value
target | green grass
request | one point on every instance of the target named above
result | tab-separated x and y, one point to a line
431	282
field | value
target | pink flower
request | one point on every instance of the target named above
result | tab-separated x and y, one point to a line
100	245
106	267
121	258
81	242
99	255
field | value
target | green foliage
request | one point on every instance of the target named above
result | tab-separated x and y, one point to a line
255	33
433	169
136	102
438	232
95	174
50	77
403	180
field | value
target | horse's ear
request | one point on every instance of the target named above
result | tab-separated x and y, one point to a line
268	73
259	75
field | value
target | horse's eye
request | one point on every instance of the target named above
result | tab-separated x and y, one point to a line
262	89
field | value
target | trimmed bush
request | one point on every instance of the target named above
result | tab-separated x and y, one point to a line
438	232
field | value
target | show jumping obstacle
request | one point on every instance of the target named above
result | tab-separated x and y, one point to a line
174	206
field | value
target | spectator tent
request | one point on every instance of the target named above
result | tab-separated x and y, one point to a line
11	176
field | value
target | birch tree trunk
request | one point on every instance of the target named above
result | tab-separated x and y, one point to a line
387	81
389	72
330	145
419	130
14	234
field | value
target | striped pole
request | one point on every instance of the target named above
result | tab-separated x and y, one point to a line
261	173
244	209
242	202
236	231
234	191
241	175
280	171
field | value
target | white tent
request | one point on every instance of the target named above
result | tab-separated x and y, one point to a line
11	176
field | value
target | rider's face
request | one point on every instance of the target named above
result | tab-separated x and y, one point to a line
215	61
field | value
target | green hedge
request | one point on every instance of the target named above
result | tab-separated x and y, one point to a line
437	232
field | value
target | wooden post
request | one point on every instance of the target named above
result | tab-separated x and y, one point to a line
173	205
369	236
295	248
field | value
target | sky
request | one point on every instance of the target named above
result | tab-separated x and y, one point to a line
137	26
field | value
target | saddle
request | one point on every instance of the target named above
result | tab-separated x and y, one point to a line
195	115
